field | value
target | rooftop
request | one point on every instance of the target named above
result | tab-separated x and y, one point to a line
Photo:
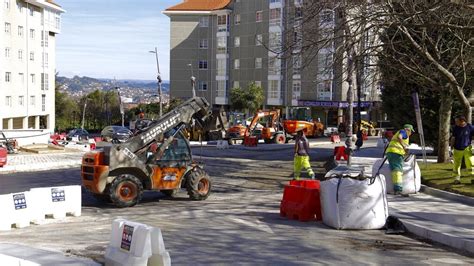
200	5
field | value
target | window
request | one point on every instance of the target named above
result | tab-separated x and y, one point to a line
20	31
236	63
236	84
221	67
8	76
259	16
202	86
8	101
273	89
7	52
45	59
32	11
20	55
32	33
44	81
57	22
7	4
298	12
296	85
21	77
21	100
222	20
32	100
275	1
258	62
236	41
44	38
202	64
8	27
258	83
275	14
221	88
203	44
237	19
204	22
274	66
43	102
20	6
221	44
274	41
33	78
296	64
258	39
32	56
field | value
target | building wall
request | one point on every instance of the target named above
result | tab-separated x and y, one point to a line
27	68
287	79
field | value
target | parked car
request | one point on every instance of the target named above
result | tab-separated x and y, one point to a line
80	133
116	134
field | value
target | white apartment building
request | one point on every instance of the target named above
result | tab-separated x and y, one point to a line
27	65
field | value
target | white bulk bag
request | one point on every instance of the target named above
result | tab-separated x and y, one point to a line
348	203
411	175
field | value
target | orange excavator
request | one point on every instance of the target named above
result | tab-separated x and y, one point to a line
265	125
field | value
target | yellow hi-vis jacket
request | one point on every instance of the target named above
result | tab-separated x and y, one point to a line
395	147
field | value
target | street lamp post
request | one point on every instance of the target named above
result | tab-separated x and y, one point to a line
193	81
84	112
122	111
158	77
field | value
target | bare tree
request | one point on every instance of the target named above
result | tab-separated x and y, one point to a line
429	43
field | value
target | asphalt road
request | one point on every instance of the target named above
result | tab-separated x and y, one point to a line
239	223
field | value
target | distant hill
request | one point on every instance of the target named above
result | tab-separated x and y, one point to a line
84	84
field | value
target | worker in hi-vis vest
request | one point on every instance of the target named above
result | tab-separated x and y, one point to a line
396	150
301	160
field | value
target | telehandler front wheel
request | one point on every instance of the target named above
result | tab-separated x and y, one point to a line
125	191
198	185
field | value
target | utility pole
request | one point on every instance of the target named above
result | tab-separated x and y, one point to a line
122	111
84	113
158	77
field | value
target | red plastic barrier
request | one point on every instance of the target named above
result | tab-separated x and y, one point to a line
250	141
92	146
3	156
97	139
365	137
301	201
340	152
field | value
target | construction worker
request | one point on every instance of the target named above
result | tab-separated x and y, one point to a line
301	160
396	150
461	142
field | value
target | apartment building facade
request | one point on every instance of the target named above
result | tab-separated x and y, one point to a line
27	64
230	43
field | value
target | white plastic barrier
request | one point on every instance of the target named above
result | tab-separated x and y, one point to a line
13	261
411	181
57	201
17	209
222	144
348	203
135	244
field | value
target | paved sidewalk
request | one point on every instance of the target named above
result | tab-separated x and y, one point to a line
448	219
28	162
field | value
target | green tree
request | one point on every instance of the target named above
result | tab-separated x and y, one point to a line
67	111
248	100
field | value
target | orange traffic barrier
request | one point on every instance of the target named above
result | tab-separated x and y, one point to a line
301	201
3	156
340	152
250	141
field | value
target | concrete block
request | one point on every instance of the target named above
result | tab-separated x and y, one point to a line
57	201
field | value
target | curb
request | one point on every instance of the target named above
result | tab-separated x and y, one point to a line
45	167
447	195
420	228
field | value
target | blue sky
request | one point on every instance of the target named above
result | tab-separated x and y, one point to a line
112	38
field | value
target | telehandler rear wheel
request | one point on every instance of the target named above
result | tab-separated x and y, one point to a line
125	191
279	138
198	185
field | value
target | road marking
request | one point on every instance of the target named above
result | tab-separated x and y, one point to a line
258	225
